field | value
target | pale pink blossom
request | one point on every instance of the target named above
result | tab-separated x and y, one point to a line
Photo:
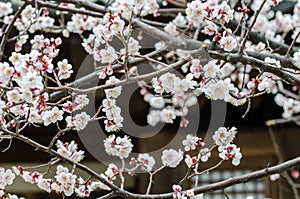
167	115
64	69
210	69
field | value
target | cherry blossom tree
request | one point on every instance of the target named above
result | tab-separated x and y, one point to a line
232	50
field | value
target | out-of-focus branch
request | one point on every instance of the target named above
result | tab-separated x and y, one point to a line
64	8
274	122
281	159
86	4
170	11
292	44
234	58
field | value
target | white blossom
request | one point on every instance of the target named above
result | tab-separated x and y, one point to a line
171	158
146	161
230	151
224	136
113	92
190	142
118	146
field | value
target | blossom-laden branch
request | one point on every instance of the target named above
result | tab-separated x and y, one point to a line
217	47
123	82
223	184
51	152
282	167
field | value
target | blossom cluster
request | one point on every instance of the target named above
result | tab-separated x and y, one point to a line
27	71
25	77
69	150
31	20
79	102
6	178
170	84
273	24
137	7
188	194
113	121
223	138
216	83
197	11
230	151
290	106
63	182
118	146
122	147
78	122
80	23
144	161
191	143
205	13
26	74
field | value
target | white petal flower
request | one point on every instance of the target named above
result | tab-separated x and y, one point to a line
210	69
167	115
171	29
224	136
171	158
146	160
118	146
108	55
190	142
228	43
113	92
157	102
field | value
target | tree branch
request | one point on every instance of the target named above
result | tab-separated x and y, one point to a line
45	149
201	189
234	58
82	81
9	28
123	82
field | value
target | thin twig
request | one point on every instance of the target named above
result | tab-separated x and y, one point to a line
151	179
251	26
292	44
